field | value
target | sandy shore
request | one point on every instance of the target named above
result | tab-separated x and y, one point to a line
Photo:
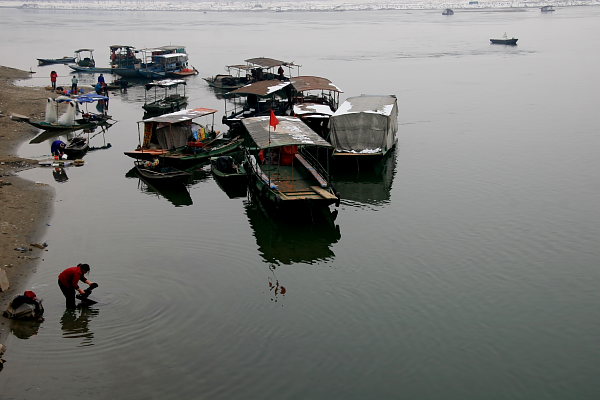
26	206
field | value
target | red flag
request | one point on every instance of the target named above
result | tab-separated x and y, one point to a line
273	121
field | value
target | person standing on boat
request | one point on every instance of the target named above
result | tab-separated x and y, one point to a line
74	82
68	282
101	80
280	72
53	76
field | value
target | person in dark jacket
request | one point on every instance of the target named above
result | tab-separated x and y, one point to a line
57	148
68	282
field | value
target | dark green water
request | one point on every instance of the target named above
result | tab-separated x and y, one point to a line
465	268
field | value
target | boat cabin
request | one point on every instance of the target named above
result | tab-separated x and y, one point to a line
85	58
169	131
166	97
364	126
263	68
315	99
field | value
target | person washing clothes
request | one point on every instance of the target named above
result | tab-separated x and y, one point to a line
68	282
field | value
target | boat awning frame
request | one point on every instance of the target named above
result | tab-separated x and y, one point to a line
288	132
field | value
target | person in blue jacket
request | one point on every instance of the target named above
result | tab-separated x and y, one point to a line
58	148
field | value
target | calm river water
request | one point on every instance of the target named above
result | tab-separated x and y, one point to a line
467	268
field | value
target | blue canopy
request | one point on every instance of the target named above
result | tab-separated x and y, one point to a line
84	98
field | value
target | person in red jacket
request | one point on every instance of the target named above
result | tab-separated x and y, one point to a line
53	76
68	282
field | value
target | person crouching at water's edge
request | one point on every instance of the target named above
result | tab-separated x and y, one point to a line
68	282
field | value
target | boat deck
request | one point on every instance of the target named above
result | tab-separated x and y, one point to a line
293	184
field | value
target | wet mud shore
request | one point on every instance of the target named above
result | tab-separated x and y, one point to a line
26	205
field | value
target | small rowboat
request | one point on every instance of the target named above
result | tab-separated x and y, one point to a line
156	173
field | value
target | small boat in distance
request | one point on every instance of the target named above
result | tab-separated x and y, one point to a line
448	11
48	61
546	9
505	40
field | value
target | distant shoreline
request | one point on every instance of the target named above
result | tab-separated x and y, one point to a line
283	6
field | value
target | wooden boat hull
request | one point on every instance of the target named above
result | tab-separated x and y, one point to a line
226	82
145	154
508	42
183	73
92	70
167	105
290	187
187	156
59	127
48	61
162	175
230	173
77	148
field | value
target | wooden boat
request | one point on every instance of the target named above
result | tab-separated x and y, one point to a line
198	152
185	72
48	61
283	166
85	58
74	118
230	173
163	62
236	77
546	9
159	174
258	98
315	100
170	131
123	62
448	11
364	127
229	167
505	40
77	148
167	101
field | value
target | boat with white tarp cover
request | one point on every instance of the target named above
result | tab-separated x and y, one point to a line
364	126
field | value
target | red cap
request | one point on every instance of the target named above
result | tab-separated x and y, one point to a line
30	294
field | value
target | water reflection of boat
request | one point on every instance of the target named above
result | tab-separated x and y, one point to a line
371	186
294	238
177	194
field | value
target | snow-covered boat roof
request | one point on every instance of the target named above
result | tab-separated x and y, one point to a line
315	109
289	131
266	62
261	88
305	83
165	83
375	104
182	115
